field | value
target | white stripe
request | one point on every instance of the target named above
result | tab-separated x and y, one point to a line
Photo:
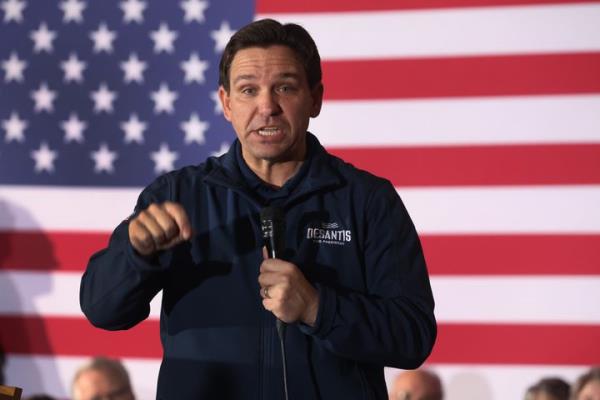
532	299
47	294
52	375
461	121
530	209
451	32
64	208
494	209
517	299
492	382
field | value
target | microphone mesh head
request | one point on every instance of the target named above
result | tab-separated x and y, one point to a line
274	214
272	222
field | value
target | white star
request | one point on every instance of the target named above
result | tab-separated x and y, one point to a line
163	38
13	10
194	69
222	36
104	159
164	159
42	38
43	97
221	150
194	129
133	69
72	10
73	128
14	128
13	68
132	10
134	129
214	96
103	99
44	158
194	10
73	68
163	99
103	38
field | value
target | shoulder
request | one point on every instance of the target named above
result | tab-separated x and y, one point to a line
356	177
174	185
373	195
183	176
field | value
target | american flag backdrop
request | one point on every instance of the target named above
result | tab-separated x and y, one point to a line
484	114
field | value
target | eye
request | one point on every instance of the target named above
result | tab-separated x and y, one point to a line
286	88
248	90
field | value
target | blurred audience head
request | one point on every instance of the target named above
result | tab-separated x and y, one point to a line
39	397
417	385
587	386
102	379
549	389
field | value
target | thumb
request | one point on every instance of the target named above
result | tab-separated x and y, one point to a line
265	253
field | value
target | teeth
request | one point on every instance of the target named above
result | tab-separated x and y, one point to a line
268	131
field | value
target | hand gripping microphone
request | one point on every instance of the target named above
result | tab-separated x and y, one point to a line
273	230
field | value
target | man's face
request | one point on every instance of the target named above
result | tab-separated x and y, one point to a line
591	391
269	104
96	385
415	385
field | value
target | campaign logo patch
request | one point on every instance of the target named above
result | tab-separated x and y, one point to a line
329	233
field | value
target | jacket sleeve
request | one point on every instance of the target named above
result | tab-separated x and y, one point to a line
392	323
118	284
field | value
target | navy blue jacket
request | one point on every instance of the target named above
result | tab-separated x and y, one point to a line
348	232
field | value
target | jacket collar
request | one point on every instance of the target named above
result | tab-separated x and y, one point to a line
224	171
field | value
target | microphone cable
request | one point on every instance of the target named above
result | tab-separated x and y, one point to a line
273	230
281	333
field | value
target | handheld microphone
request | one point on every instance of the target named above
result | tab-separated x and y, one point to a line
273	229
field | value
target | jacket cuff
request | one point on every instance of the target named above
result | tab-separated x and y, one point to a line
325	314
143	263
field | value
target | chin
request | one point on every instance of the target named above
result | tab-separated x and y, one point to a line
272	157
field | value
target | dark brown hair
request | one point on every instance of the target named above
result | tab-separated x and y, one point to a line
268	32
555	387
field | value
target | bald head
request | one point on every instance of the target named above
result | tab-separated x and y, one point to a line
417	385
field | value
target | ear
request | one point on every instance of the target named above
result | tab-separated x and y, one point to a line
317	96
225	103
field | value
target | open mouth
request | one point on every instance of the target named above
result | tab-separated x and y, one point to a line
268	131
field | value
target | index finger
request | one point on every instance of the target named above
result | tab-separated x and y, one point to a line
177	212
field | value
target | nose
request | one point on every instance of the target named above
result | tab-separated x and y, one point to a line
268	104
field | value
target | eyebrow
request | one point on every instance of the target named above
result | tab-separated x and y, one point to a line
250	77
247	77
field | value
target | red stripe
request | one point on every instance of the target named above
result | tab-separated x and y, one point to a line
517	344
76	336
457	343
67	251
462	76
479	165
318	6
512	254
446	254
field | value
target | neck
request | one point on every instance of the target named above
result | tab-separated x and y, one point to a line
275	174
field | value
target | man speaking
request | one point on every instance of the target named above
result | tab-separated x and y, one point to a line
349	280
